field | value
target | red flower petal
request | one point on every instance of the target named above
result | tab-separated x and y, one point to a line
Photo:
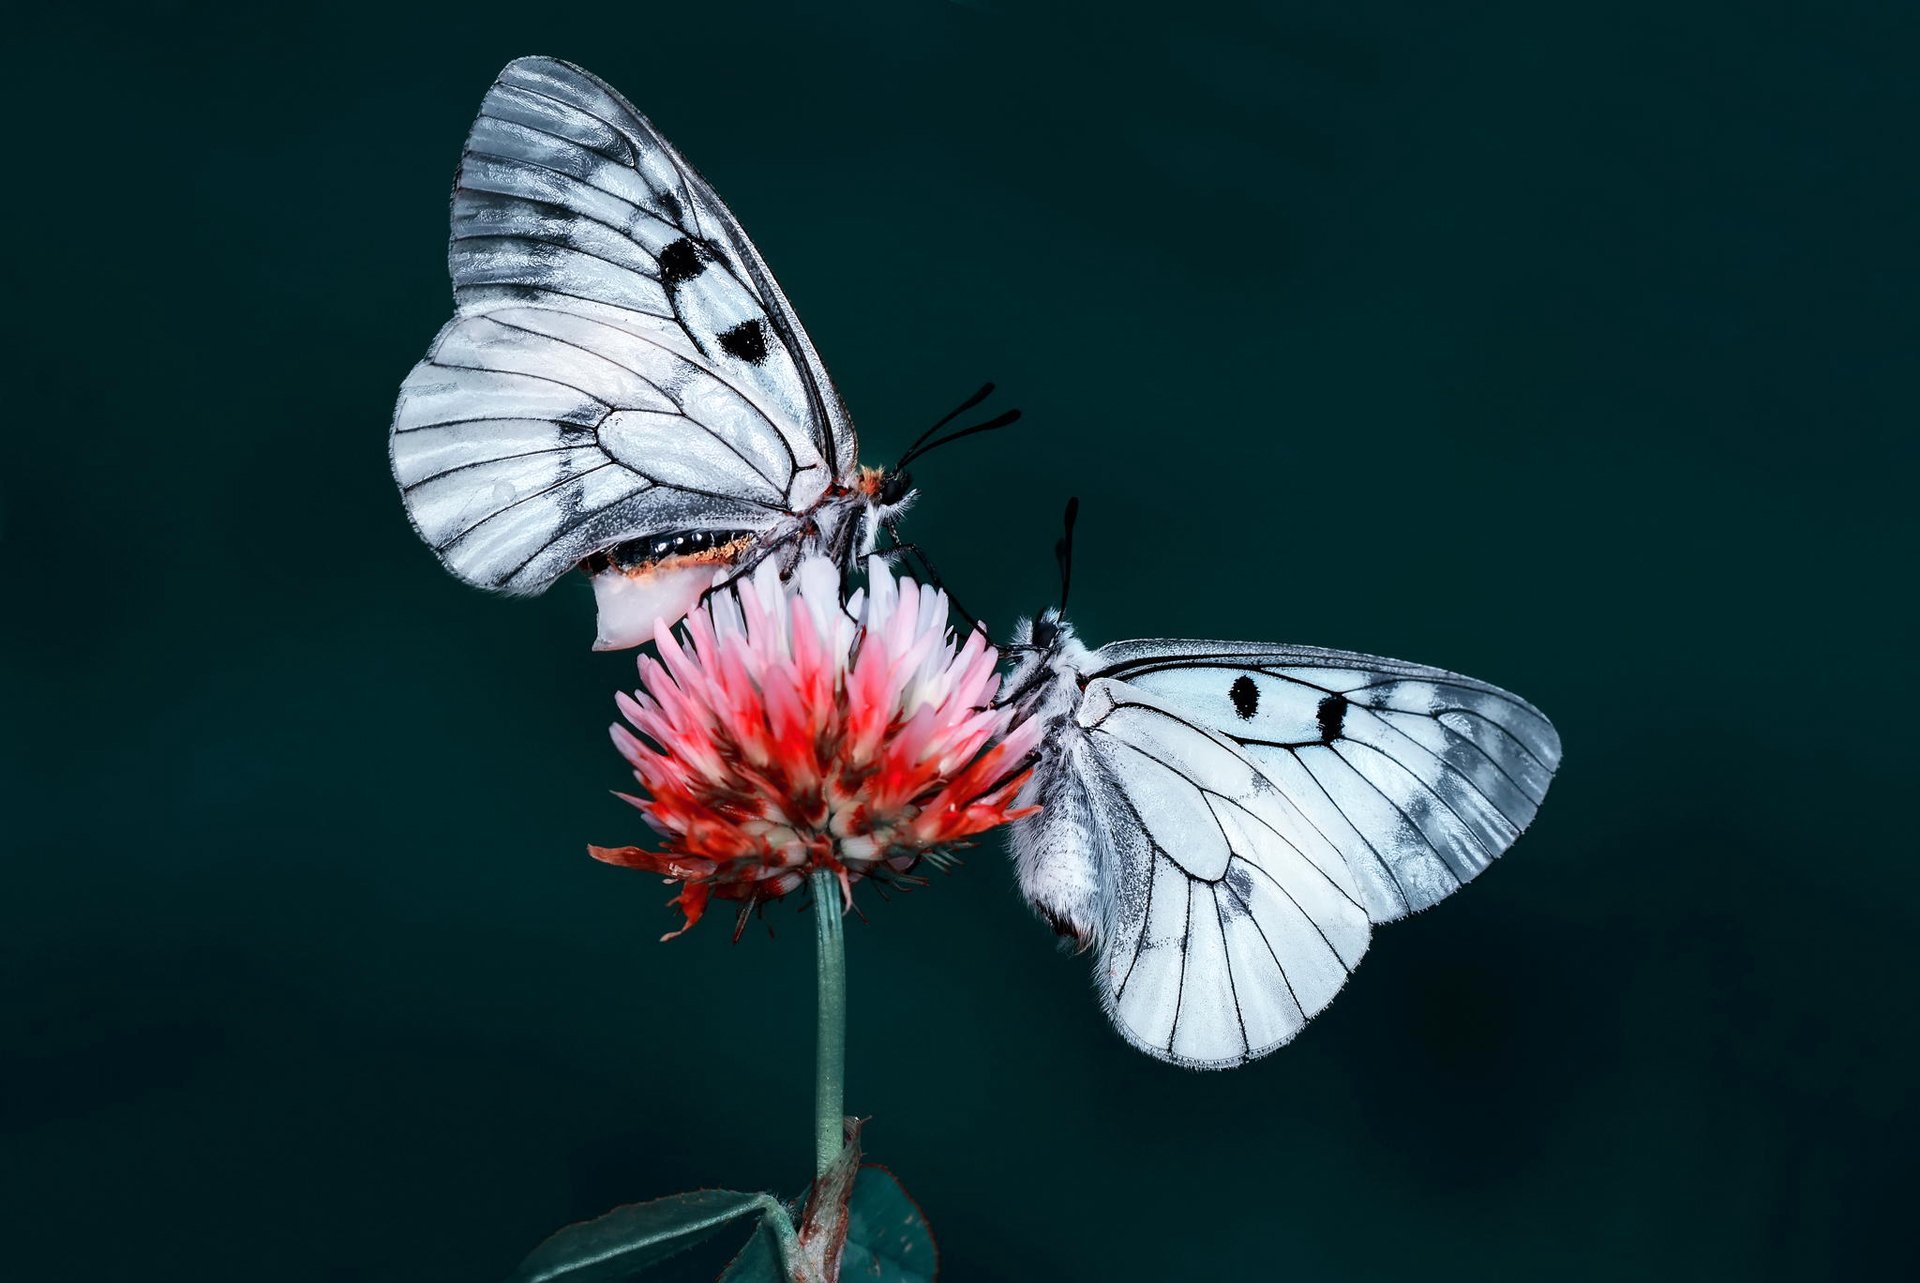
785	730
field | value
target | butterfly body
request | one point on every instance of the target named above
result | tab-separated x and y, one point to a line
1224	823
1057	857
623	387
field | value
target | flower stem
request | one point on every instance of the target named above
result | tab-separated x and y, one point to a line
830	1056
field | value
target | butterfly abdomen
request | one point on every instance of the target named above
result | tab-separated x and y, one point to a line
636	554
1057	868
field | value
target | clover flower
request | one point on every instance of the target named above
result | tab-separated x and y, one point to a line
785	731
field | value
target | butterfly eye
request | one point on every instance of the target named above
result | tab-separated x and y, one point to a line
894	487
1045	633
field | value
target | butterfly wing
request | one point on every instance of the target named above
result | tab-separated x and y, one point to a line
530	438
1417	776
1230	921
622	362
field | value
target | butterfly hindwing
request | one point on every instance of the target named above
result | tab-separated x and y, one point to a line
529	438
1231	921
1417	776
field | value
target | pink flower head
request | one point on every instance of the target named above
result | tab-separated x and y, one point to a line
787	731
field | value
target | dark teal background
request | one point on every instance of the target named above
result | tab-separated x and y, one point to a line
1569	346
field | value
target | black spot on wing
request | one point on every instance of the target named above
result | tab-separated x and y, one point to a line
1246	697
1333	718
671	204
680	262
746	341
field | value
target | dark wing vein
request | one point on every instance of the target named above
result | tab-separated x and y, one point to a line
1317	929
1204	791
1517	741
678	404
501	458
1233	989
1446	771
1387	714
438	364
572	247
1180	990
1299	1007
1471	829
1419	834
500	512
1405	898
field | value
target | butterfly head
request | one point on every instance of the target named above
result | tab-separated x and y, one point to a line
1048	658
1049	630
888	491
1047	636
883	496
891	489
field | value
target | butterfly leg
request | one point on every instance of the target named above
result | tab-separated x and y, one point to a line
919	554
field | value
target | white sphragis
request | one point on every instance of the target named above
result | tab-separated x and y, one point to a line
1224	822
623	386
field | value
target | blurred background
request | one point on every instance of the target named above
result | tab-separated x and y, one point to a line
1570	347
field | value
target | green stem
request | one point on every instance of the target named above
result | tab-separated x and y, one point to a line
830	1057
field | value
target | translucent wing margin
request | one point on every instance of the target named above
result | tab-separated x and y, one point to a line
569	198
1419	777
1232	921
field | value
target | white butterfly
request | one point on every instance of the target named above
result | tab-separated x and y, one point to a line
623	386
1224	822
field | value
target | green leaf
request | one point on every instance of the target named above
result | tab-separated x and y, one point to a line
759	1260
887	1237
631	1238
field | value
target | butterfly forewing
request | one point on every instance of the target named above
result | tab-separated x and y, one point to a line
529	438
566	191
1417	776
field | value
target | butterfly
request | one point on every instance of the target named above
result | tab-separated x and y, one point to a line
623	387
1225	822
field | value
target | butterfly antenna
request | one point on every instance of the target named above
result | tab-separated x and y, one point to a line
927	441
997	421
986	390
1063	551
932	573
